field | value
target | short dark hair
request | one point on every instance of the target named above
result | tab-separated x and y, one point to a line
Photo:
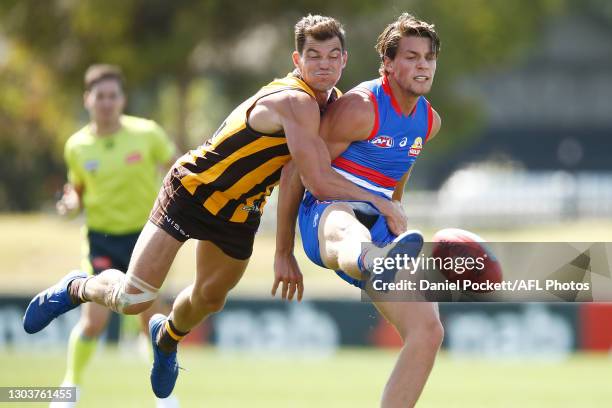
320	28
100	72
406	25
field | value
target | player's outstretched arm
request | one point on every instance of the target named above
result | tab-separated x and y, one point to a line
286	269
300	119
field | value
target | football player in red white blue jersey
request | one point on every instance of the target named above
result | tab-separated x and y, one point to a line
374	134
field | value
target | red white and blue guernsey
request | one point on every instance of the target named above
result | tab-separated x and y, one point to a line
375	164
380	161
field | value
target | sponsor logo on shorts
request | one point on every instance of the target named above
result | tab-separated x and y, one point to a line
174	225
385	142
404	142
416	147
255	207
251	209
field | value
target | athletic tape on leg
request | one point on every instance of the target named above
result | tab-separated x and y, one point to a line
121	299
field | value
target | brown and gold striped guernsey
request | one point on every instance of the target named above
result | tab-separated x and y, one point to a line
234	172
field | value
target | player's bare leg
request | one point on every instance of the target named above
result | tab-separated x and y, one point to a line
340	239
217	273
130	293
340	242
151	260
421	330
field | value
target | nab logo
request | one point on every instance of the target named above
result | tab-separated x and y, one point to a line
382	141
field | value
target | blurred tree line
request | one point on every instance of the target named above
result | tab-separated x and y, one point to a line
187	62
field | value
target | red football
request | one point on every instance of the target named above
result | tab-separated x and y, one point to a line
465	256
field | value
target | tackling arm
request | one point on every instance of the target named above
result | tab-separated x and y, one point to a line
300	119
291	188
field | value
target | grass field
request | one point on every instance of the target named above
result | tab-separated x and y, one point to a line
352	378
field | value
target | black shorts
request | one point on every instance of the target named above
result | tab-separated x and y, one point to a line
108	251
178	213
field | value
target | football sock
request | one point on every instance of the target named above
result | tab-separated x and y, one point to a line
366	259
169	337
76	290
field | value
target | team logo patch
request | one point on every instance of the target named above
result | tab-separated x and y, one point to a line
416	147
133	157
251	208
255	208
382	141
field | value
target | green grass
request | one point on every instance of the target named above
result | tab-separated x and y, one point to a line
38	249
352	378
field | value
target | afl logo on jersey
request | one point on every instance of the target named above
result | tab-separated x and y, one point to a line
416	147
382	141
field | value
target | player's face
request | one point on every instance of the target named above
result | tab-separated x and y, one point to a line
321	63
105	101
414	65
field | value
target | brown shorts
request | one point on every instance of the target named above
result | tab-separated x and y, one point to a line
178	213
